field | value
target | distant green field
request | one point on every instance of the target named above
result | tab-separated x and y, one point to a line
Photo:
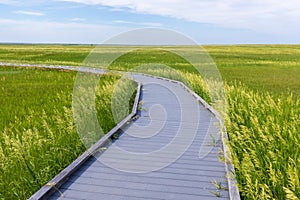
37	133
48	54
273	68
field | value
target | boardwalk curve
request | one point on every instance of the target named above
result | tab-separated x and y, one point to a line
176	173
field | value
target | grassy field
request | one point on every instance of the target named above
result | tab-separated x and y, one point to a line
47	54
38	137
263	115
272	68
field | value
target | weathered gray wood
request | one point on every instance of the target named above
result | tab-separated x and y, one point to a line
187	178
230	170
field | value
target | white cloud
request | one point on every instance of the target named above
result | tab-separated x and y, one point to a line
263	16
77	19
24	12
8	2
147	24
54	32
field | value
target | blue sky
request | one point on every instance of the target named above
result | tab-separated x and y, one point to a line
205	21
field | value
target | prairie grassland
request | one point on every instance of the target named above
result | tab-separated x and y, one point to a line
263	68
262	89
38	136
45	54
271	68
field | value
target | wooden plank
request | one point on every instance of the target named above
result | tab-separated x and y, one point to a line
95	177
232	183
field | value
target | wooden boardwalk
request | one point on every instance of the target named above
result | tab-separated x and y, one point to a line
166	153
187	177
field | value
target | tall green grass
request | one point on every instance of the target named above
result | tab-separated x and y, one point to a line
37	133
263	88
264	136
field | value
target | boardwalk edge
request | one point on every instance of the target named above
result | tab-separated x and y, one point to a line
233	190
63	176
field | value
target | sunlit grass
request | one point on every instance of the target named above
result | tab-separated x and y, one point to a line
38	136
47	54
272	68
263	89
264	68
264	136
